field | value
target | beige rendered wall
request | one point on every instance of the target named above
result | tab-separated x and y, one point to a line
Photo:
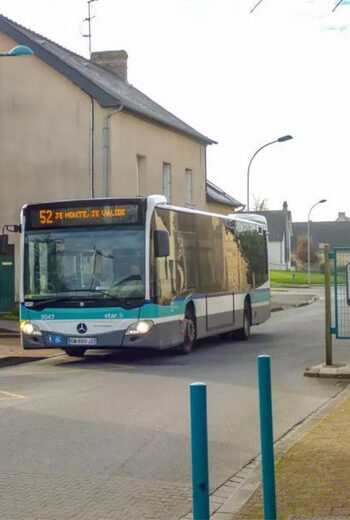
44	134
131	136
216	207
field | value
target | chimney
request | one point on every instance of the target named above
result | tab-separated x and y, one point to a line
115	61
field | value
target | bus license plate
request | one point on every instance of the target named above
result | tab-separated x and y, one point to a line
82	341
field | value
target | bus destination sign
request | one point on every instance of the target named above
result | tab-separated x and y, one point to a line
53	217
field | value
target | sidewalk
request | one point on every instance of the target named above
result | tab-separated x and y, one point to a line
312	471
11	325
11	351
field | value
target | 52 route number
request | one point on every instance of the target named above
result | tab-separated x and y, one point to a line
45	216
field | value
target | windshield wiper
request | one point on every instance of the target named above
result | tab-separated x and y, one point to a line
126	302
100	291
108	295
36	303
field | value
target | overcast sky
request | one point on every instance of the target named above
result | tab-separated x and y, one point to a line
242	79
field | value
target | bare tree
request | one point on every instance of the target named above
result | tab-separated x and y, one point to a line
260	204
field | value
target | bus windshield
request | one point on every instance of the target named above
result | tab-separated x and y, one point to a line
85	263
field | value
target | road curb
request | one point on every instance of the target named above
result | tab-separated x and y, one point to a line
340	371
244	491
294	305
277	309
297	286
309	302
11	361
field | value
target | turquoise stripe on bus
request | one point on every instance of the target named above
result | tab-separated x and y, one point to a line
149	310
260	295
153	310
84	313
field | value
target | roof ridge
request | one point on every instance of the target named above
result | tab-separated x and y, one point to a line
80	56
105	86
217	187
21	27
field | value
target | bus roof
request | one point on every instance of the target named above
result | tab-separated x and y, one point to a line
251	217
241	217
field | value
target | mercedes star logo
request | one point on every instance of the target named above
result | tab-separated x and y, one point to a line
81	328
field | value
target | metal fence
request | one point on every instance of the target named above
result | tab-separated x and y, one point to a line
341	292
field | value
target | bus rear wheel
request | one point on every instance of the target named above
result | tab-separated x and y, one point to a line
244	333
75	352
190	333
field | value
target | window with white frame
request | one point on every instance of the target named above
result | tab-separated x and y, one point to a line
167	181
188	187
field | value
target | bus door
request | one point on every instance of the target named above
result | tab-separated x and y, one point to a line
220	311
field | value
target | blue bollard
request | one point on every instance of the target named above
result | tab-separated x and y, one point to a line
199	450
266	434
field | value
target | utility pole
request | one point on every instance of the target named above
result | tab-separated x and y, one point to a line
92	110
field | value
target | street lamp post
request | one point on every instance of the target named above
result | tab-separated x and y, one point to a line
308	238
279	140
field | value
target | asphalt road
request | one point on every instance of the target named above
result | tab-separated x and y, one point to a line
107	437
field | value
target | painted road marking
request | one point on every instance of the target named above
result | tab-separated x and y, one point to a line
42	374
10	395
125	367
64	372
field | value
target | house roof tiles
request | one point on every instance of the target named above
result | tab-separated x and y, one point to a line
104	86
336	234
216	194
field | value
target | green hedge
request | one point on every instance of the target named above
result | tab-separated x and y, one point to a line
286	278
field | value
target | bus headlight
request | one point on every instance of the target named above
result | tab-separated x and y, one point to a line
30	329
140	328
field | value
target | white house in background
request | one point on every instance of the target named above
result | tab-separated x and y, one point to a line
280	228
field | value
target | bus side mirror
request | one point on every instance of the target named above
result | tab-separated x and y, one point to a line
4	241
161	243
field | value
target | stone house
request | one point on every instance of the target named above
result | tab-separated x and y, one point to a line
76	128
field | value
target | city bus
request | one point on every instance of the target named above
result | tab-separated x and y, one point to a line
138	272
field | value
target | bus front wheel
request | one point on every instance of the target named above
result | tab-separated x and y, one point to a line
190	332
75	352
